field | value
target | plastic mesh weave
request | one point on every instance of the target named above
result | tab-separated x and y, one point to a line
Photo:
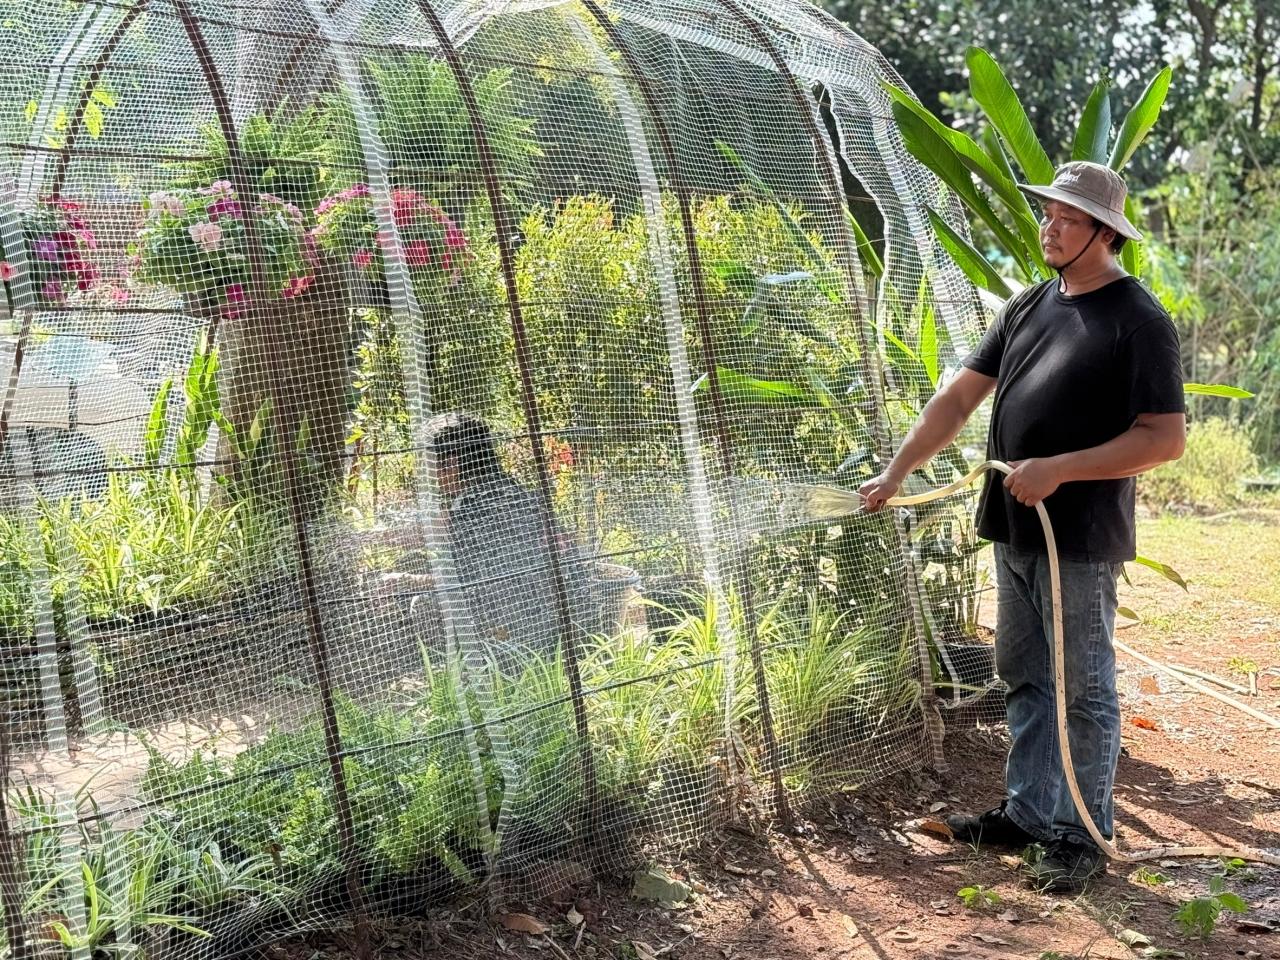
406	412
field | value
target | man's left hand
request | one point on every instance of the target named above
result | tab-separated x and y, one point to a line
1032	480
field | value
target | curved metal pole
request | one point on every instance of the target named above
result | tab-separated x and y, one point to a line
503	225
288	455
870	357
720	417
76	122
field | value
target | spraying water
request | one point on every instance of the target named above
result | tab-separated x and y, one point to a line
770	507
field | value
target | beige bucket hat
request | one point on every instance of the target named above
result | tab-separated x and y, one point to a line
1097	190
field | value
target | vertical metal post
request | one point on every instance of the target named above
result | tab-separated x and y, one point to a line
263	319
503	225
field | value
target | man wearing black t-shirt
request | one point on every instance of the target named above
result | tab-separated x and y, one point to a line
1088	394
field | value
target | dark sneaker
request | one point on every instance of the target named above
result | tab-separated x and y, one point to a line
993	828
1065	865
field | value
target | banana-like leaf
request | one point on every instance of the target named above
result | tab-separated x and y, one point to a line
1216	390
1163	569
928	348
995	96
866	252
1128	613
1025	219
745	388
936	153
975	266
993	170
1095	125
1140	119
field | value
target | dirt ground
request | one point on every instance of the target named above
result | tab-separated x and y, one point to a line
862	879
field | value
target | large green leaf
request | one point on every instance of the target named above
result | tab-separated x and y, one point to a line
993	170
936	153
745	388
1025	219
866	252
1095	125
1132	257
928	347
1163	569
995	96
1216	390
975	266
1139	120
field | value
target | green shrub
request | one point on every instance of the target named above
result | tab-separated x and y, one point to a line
1208	475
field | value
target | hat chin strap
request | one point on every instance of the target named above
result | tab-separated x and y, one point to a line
1096	231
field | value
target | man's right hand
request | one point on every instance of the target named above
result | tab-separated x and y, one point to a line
877	490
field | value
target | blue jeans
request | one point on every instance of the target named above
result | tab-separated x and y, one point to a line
1039	800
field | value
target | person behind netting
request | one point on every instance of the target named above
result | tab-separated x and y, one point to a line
1088	394
498	531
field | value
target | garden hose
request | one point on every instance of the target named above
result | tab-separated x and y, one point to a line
1060	697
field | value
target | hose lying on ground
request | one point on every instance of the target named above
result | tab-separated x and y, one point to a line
1060	698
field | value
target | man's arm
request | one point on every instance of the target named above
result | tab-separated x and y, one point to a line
1154	438
940	421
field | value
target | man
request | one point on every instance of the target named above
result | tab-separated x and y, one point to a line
498	532
1088	394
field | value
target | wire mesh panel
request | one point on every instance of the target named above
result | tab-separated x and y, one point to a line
409	417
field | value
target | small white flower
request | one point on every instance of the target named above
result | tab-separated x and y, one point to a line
207	236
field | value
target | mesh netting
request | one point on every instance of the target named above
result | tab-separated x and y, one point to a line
407	411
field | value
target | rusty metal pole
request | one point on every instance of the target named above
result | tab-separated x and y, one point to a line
503	227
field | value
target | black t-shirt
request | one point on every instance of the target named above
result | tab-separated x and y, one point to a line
1073	373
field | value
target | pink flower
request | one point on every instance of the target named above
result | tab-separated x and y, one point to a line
453	237
224	207
362	258
162	202
7	270
46	248
220	188
52	290
405	205
207	236
88	239
296	286
236	299
119	295
417	253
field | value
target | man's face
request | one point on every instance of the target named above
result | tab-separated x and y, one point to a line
1064	231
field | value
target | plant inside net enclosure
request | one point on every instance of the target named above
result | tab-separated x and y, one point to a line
402	401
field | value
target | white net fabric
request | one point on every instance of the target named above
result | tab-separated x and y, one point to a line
406	411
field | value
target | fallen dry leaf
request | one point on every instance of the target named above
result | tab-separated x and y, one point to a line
987	938
939	805
573	916
644	951
1144	723
1009	916
937	828
523	923
805	909
850	927
739	871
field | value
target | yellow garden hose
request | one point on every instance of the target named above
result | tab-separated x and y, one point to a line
1060	697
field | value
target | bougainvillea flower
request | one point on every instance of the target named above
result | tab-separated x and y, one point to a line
296	286
417	253
7	270
362	258
225	207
